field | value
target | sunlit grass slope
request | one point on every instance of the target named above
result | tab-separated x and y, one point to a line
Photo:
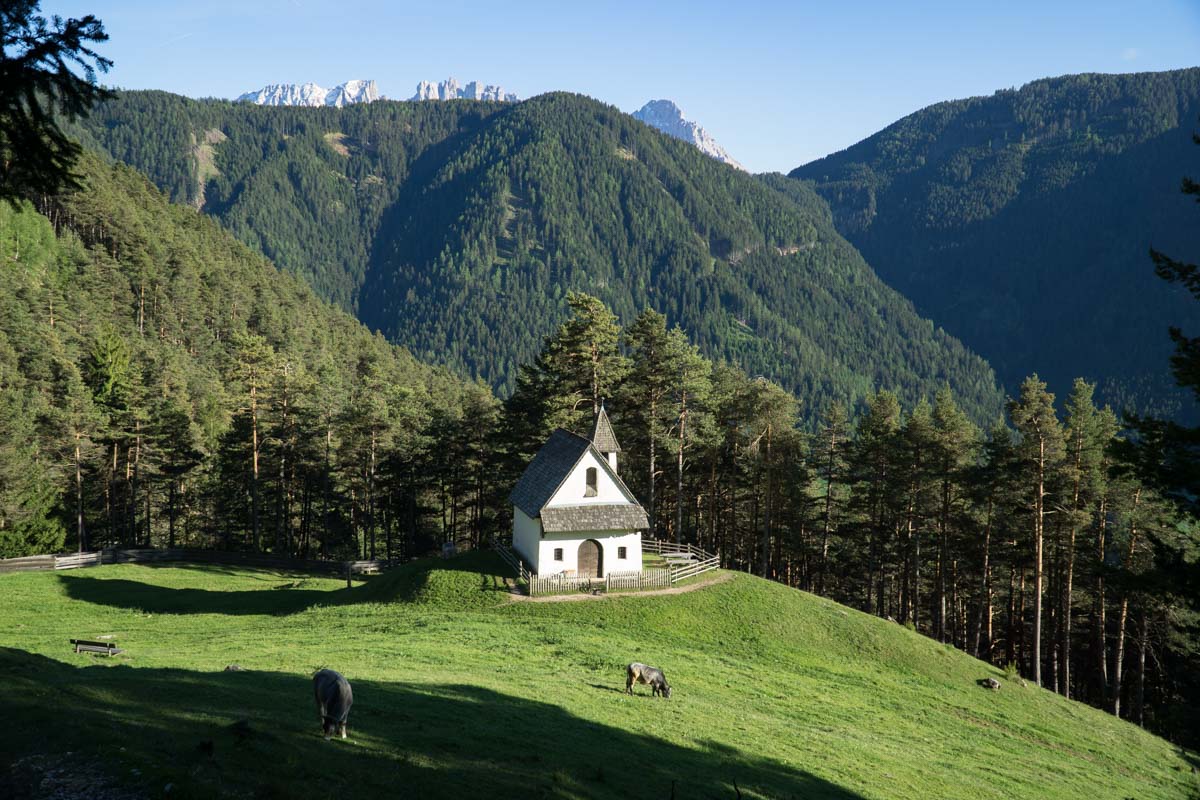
462	692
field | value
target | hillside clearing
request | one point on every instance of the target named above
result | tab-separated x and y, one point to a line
460	693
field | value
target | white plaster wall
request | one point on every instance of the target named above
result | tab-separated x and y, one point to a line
526	533
609	542
571	493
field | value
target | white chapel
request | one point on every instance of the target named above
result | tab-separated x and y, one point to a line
572	513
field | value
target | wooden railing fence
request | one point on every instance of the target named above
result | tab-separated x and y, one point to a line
683	560
510	557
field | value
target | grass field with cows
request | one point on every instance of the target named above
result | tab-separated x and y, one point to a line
461	691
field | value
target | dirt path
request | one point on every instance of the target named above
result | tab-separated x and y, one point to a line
720	577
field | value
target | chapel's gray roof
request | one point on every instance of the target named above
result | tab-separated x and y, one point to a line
594	517
602	434
551	466
547	471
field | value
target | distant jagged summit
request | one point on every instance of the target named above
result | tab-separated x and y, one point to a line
668	118
310	94
450	89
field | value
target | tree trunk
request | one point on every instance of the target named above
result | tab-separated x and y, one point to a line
766	538
78	495
679	471
1100	622
171	513
831	462
371	497
650	507
1143	641
1038	531
1123	617
984	628
254	521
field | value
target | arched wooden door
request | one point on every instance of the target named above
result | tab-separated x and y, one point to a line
591	560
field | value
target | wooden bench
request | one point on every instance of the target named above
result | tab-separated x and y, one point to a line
105	648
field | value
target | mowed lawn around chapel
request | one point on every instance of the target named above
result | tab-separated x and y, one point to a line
461	692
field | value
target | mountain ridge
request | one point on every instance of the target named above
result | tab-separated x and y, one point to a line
461	227
668	118
1021	222
310	94
366	91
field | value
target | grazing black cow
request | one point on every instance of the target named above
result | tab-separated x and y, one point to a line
334	699
640	673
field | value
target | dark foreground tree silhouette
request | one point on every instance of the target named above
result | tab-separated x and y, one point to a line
38	63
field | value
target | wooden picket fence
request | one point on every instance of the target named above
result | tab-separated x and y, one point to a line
683	561
191	556
633	581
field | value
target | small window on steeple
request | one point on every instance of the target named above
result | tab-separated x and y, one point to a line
590	491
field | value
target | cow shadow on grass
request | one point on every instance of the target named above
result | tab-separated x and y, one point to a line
405	584
256	734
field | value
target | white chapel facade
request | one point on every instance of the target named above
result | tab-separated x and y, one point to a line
572	513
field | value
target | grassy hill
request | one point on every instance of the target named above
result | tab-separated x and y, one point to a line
1021	223
462	692
457	229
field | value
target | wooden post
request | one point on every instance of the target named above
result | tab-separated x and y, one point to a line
348	583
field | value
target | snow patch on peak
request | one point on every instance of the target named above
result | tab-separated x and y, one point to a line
668	118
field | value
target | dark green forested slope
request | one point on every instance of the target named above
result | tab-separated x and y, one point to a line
458	228
306	186
144	352
1021	223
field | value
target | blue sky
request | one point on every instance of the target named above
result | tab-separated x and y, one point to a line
776	83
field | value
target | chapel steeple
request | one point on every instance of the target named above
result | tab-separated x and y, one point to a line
603	438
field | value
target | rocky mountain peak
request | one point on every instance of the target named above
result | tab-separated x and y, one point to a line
668	118
451	89
310	94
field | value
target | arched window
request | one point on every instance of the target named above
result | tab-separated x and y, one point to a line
590	491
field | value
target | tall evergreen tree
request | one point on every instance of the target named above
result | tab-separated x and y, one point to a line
830	458
1040	450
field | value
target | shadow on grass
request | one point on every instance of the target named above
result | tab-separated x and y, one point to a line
256	733
156	599
406	583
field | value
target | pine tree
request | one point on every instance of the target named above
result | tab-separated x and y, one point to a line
872	464
1041	452
830	457
956	442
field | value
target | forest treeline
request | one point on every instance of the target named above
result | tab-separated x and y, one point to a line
161	384
1019	220
458	228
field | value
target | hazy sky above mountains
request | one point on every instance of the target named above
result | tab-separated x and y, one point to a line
776	83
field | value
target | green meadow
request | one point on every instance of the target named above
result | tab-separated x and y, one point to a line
461	691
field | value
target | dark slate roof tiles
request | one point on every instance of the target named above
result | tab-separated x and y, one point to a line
594	517
547	471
